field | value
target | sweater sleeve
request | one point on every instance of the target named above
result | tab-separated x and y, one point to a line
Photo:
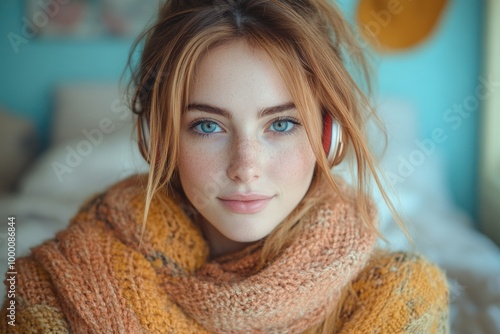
397	293
31	305
94	277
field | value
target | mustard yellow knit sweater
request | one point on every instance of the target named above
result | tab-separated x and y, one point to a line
95	277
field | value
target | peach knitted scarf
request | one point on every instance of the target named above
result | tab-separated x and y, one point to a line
291	294
105	281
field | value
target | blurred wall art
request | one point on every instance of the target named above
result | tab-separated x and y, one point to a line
88	18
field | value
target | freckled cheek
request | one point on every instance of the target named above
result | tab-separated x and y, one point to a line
294	163
198	165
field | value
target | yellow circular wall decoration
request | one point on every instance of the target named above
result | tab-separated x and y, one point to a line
397	25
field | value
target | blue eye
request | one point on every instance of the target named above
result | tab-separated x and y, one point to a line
283	125
207	127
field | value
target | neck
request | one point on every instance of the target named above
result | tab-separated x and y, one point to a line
218	243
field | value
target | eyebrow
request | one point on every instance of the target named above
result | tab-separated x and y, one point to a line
223	112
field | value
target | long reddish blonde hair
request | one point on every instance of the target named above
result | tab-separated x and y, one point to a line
310	43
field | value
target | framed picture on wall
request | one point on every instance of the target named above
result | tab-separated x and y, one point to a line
89	18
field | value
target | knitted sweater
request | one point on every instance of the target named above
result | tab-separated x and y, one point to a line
97	277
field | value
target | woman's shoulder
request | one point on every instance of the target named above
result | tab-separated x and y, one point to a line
129	195
117	216
127	188
411	272
397	292
102	258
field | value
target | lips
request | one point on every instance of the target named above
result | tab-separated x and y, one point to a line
245	203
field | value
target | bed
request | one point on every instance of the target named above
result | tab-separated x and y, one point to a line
93	147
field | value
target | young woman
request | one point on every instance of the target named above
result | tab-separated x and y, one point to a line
241	226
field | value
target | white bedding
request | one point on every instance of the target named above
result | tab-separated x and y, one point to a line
442	232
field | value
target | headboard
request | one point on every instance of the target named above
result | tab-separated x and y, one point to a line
85	108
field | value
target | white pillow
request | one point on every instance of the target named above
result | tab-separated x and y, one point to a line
74	170
83	107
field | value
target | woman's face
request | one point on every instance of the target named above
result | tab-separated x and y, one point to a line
245	161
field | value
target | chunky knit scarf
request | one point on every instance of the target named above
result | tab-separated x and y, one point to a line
290	295
97	277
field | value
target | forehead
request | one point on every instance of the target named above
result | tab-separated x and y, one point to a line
237	74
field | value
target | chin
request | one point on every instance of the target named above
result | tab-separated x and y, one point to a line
246	234
249	237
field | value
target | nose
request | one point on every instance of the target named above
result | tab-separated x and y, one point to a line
244	165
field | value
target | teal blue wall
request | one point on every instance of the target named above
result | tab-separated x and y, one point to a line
434	76
30	75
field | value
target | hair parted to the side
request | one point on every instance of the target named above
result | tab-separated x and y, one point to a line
308	40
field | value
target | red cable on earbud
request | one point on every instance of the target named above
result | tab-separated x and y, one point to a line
327	133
